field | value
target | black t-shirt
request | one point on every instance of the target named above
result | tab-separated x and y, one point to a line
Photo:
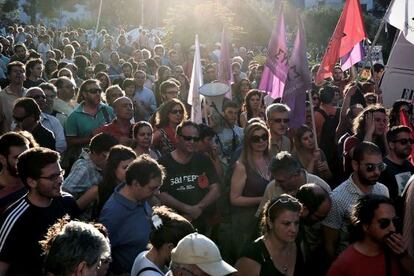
23	225
44	137
395	177
257	251
189	182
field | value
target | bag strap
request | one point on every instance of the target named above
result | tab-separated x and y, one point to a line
148	269
106	115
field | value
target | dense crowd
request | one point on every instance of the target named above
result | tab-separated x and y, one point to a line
102	173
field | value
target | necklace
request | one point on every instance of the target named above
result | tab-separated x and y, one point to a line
282	260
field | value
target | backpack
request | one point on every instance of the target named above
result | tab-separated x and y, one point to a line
327	140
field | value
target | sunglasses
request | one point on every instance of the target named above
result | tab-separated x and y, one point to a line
19	120
177	111
258	139
279	120
370	167
384	223
404	141
36	97
190	138
94	90
282	200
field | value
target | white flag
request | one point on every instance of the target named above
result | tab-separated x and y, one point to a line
400	14
195	84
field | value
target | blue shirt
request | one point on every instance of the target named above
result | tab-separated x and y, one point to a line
146	97
128	224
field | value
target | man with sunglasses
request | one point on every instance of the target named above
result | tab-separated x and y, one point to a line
48	121
191	185
26	116
367	166
25	223
378	248
277	116
88	116
399	169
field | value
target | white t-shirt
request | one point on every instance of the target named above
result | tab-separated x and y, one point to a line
141	262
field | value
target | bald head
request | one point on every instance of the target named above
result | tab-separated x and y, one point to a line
316	202
123	108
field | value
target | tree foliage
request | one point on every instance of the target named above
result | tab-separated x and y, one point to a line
205	19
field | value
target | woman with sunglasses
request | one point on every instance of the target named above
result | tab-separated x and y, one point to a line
275	253
311	158
252	107
249	180
168	116
143	134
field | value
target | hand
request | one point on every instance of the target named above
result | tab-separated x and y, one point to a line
322	166
316	155
396	243
369	124
194	211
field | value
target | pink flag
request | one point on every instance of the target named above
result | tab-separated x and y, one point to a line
354	56
298	80
276	67
224	71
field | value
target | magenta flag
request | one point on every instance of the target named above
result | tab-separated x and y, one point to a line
276	67
354	56
224	71
298	80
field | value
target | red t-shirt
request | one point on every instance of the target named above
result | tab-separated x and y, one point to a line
353	263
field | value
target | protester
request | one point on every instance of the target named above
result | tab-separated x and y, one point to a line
367	165
126	212
74	247
196	254
167	229
248	182
275	253
25	223
378	248
277	119
191	185
252	107
143	135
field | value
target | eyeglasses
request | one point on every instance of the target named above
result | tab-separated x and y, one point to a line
19	120
36	97
190	138
279	120
177	111
404	141
94	90
384	223
54	177
258	139
371	167
283	200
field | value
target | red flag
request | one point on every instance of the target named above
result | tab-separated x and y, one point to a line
348	32
405	122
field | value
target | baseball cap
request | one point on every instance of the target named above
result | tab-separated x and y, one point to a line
199	250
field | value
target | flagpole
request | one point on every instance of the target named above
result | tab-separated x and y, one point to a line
313	120
99	17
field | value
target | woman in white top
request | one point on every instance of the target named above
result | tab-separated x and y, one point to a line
168	228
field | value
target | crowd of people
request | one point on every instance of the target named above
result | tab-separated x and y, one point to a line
103	173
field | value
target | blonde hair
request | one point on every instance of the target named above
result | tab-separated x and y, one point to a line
246	155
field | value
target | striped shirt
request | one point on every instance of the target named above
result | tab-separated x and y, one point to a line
344	197
23	225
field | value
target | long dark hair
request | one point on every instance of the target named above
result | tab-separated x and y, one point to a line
246	103
161	116
117	154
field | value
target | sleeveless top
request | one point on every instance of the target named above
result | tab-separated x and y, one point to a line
257	251
255	183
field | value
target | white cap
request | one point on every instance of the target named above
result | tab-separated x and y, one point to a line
199	250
